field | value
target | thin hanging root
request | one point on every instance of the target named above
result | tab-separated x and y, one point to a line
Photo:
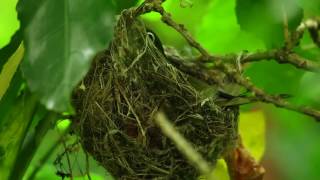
133	111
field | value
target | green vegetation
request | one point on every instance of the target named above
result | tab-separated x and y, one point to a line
145	89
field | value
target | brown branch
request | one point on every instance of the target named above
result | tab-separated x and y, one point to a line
280	56
265	97
284	57
193	69
286	32
313	26
166	18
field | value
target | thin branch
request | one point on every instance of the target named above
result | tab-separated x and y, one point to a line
166	18
259	93
281	56
265	97
182	144
205	75
286	32
313	26
193	69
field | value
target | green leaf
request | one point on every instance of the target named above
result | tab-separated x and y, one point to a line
61	38
220	24
12	131
220	171
7	51
9	22
9	69
279	78
310	7
252	130
7	101
265	18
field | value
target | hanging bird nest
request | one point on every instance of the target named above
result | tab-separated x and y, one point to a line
127	84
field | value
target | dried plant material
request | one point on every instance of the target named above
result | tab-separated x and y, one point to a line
126	86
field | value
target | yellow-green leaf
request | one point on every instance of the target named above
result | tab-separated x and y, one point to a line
252	131
9	69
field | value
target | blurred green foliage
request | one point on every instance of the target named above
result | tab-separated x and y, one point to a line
222	27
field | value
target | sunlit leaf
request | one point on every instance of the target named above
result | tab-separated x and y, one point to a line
63	124
61	37
7	51
9	69
225	36
221	170
9	22
252	131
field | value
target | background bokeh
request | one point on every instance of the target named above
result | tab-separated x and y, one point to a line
290	141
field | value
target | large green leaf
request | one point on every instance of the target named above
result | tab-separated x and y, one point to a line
265	18
61	38
310	7
220	33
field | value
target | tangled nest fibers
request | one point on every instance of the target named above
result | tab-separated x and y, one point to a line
126	86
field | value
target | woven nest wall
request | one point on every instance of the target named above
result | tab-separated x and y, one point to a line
126	86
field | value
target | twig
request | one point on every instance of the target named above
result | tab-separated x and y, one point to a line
264	97
313	26
190	67
260	94
286	32
284	57
182	144
166	18
280	55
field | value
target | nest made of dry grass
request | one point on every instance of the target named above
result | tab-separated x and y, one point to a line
126	85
